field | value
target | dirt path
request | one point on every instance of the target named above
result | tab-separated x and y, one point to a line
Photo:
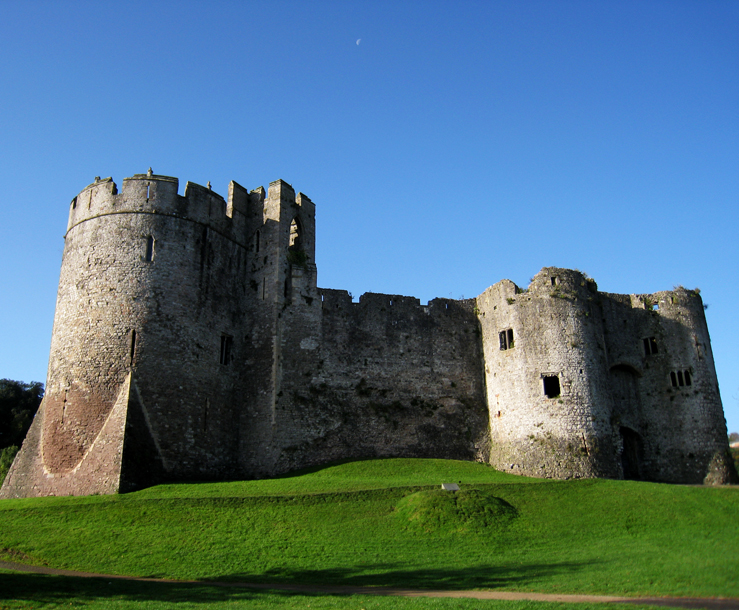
712	603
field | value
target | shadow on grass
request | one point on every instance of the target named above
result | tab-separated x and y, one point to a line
393	575
50	589
77	591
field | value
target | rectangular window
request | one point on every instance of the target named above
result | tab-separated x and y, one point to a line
133	346
149	249
226	347
506	339
551	386
650	346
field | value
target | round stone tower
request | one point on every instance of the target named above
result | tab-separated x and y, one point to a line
148	334
545	369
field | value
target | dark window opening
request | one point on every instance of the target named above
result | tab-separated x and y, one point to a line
551	386
133	346
506	339
226	347
74	203
296	241
681	378
149	249
650	346
554	281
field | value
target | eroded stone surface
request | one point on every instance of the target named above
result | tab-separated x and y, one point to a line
191	342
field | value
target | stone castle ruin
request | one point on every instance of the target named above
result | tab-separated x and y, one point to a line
191	342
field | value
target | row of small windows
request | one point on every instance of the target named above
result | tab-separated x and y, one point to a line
506	342
680	379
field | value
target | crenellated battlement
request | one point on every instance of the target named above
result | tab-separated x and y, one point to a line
236	217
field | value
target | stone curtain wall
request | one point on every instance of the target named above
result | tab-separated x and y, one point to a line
382	377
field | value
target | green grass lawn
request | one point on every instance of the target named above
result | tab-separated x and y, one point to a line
383	522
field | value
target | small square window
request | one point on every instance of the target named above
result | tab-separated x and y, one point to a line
551	386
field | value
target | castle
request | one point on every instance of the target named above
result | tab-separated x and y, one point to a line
191	342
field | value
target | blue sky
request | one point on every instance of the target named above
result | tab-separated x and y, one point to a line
454	145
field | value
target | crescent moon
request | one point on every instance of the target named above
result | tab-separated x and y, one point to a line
358	41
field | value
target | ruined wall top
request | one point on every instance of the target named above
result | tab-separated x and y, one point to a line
236	216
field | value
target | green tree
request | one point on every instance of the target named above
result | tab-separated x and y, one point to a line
19	402
7	455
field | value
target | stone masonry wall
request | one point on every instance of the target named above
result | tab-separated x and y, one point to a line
379	378
191	341
150	284
557	339
635	395
651	339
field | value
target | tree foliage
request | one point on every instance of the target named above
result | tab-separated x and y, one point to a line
7	455
18	404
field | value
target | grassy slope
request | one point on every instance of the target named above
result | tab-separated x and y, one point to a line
339	525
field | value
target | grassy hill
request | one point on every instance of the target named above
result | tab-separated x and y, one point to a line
385	522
